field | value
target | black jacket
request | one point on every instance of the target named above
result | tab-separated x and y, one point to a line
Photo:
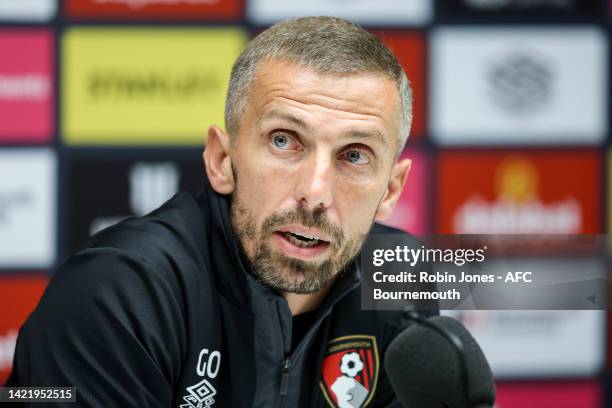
158	311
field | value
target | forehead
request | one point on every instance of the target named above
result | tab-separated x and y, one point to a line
368	98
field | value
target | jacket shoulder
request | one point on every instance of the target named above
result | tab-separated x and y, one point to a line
105	302
171	238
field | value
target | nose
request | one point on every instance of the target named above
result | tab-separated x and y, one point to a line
315	188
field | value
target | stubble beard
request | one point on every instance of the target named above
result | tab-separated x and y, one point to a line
279	271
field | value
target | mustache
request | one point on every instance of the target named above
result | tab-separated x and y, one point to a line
310	219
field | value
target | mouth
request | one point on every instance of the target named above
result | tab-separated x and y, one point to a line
302	243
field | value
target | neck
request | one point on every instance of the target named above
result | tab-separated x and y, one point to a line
303	303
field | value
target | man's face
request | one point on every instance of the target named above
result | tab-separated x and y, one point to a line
312	162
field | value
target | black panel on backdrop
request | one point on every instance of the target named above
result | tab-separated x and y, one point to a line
110	186
513	9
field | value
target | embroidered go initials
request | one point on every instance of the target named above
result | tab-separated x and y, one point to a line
201	395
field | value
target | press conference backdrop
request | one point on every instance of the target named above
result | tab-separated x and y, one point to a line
104	106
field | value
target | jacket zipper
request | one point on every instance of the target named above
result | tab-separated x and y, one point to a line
286	363
285	368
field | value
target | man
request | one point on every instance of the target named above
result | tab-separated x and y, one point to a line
248	294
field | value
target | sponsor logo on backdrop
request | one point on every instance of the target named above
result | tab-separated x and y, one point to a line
27	10
143	85
26	91
28	87
160	86
19	295
379	12
106	190
519	192
27	208
542	9
519	4
521	83
518	86
157	9
15	200
151	184
503	336
517	208
138	4
350	371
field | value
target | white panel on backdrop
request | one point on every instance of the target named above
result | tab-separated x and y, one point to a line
518	85
539	343
378	12
27	10
27	207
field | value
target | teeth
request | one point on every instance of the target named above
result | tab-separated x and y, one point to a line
291	237
306	236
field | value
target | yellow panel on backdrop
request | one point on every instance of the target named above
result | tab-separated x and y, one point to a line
145	85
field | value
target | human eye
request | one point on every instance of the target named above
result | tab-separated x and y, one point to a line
355	156
284	141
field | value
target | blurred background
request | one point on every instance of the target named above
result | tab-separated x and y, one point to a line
104	107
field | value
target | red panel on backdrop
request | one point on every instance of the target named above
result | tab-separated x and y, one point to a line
26	87
224	10
410	49
18	297
587	394
521	192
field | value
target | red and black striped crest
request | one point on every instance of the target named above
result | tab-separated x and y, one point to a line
350	371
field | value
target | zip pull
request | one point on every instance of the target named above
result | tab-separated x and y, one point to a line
286	366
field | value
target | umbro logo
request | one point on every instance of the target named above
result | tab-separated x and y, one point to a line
201	395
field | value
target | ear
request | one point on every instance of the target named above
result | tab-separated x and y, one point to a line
217	161
399	175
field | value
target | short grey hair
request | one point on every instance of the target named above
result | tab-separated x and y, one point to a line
327	45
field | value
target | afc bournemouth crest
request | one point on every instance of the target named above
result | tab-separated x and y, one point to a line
350	371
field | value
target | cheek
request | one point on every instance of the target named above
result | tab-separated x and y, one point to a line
357	205
262	189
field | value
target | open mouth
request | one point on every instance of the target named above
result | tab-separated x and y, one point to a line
301	242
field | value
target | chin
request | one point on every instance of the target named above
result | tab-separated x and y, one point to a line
293	276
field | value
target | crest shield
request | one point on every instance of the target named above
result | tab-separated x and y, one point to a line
350	371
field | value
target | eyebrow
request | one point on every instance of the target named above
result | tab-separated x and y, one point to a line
355	133
373	133
275	114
